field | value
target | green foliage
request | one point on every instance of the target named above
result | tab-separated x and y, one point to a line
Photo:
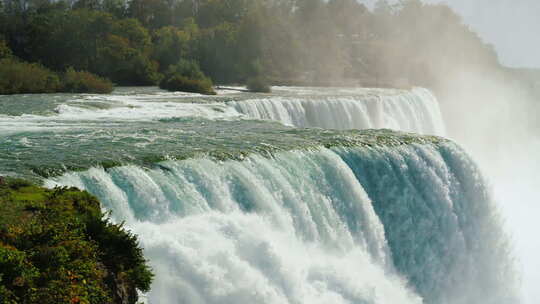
92	41
218	52
211	13
296	41
151	13
187	68
17	183
85	82
171	44
124	55
122	251
5	51
21	77
184	84
258	84
57	247
18	77
186	76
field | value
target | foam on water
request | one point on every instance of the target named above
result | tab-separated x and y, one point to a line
414	111
82	110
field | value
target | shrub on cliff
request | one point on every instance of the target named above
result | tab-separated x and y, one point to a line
186	76
85	82
56	247
22	77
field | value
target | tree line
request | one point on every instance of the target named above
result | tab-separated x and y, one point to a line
315	42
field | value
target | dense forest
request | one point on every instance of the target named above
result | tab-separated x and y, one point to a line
310	42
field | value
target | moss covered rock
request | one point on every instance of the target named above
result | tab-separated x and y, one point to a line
56	246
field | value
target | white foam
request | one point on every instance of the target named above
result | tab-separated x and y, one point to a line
413	111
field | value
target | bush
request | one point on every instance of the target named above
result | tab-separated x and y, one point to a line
18	77
186	76
5	51
258	84
187	68
57	247
17	183
184	84
85	82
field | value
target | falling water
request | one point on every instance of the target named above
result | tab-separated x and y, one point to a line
341	225
413	111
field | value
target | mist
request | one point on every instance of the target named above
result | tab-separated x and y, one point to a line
495	121
495	118
494	115
511	26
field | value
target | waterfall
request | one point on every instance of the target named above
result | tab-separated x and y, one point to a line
375	225
413	111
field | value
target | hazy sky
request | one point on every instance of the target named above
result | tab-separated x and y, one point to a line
512	26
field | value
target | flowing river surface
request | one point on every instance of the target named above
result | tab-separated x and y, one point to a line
300	196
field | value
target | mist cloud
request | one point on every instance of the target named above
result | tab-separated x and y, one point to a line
512	26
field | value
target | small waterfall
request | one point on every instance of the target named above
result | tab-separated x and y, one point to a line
412	111
372	225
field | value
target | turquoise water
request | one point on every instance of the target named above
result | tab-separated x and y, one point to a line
48	134
353	224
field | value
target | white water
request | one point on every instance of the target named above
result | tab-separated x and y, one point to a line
327	226
413	111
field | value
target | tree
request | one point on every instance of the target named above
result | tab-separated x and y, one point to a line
151	14
171	44
5	51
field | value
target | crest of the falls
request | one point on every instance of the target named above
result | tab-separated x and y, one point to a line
416	111
375	225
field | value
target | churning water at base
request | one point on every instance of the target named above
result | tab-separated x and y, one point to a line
413	111
374	225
